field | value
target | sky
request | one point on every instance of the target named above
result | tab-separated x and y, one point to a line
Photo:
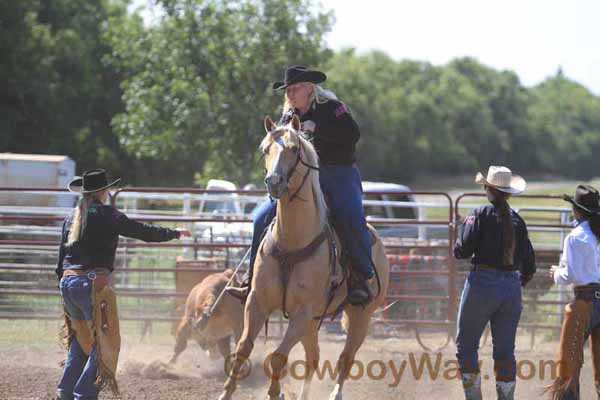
530	37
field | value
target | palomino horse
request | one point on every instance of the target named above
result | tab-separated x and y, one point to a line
306	262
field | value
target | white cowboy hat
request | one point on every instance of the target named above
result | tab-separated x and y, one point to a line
503	179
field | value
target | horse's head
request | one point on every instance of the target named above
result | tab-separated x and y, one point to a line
282	148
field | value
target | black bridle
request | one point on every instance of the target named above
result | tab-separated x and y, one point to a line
299	160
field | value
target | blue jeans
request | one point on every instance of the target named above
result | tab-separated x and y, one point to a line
80	370
342	188
594	324
494	297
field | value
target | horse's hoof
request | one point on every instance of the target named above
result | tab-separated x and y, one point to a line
280	397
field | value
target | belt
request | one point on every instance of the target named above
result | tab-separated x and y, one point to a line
509	268
588	292
101	276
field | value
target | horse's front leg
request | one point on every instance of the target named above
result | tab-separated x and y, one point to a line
254	319
358	327
310	341
297	328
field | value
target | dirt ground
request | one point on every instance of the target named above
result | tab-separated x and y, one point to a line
387	369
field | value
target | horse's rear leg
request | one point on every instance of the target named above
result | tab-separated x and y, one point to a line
254	319
184	330
358	326
297	329
310	342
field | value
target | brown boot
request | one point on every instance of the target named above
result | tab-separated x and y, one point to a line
359	291
240	293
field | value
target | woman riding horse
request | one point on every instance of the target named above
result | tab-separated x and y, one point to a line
296	269
329	125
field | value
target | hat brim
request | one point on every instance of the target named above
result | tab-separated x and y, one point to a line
315	77
572	200
517	184
76	185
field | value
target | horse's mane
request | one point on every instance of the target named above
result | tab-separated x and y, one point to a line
311	159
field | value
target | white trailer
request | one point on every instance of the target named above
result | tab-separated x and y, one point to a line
36	171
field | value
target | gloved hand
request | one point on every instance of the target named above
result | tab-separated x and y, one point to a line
287	116
308	126
525	278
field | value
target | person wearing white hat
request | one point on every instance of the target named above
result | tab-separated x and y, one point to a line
495	238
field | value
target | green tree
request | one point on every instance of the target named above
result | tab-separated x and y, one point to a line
196	84
565	127
57	95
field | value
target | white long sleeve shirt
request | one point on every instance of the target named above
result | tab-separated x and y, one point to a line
580	260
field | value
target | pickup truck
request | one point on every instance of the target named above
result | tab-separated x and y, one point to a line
395	205
383	203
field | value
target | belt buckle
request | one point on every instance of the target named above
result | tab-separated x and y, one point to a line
91	275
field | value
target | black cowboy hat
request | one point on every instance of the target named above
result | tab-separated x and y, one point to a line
297	74
586	197
91	181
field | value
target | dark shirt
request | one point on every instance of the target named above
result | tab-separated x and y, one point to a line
336	132
98	245
481	238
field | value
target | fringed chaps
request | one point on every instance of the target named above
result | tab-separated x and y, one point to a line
103	332
570	356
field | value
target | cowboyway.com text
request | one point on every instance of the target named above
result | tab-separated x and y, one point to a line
413	367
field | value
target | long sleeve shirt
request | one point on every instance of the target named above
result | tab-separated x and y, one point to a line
481	239
98	244
336	132
579	263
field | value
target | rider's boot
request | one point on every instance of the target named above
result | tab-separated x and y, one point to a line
359	291
241	292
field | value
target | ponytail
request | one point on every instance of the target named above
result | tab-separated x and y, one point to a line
500	200
595	225
508	233
80	215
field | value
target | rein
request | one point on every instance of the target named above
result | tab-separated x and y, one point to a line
309	167
288	259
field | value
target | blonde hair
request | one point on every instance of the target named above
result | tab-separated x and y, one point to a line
81	211
313	159
319	95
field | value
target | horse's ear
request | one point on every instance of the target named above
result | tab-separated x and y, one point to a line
295	122
269	124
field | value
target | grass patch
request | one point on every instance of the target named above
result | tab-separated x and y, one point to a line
35	332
